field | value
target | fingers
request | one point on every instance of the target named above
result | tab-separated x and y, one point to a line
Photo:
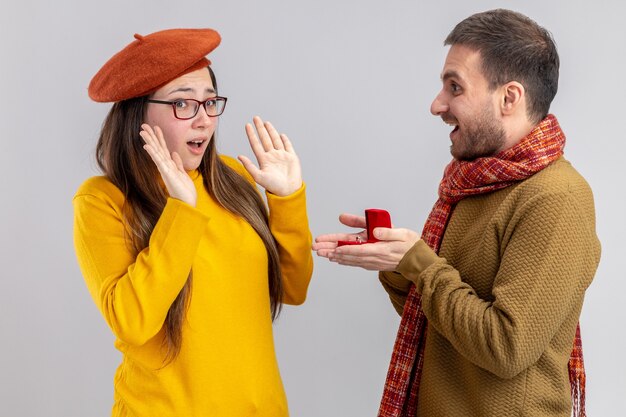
367	256
155	146
324	249
360	251
334	237
381	256
153	137
148	136
287	143
400	234
275	137
330	240
147	129
266	137
255	144
249	166
324	245
352	220
384	233
325	253
170	165
178	161
161	139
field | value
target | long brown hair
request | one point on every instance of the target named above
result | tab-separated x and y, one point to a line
121	157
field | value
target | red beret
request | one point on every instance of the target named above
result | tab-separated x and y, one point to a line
152	61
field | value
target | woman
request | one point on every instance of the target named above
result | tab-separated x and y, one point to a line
175	243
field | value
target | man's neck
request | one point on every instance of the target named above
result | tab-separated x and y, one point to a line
516	128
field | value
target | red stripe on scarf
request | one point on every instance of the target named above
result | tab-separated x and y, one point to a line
461	179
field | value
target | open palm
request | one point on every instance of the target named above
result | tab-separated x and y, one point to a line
178	183
279	170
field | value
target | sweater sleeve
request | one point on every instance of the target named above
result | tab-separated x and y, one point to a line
397	287
290	227
134	291
547	262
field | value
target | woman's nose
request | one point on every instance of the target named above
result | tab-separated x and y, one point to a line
202	119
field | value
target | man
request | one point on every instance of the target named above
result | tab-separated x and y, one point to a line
491	293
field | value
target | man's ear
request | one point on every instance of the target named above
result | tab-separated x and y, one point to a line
513	98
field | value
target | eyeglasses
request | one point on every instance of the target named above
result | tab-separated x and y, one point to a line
187	108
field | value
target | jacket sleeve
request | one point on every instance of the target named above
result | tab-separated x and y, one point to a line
397	287
134	291
290	227
546	266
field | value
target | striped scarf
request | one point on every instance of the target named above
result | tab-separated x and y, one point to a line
461	179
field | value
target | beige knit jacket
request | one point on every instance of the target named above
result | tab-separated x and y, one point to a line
503	298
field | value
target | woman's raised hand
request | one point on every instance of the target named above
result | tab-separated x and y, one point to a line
279	170
178	183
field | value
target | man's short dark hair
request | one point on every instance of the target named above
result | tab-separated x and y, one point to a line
513	48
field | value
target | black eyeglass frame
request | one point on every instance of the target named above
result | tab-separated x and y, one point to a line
200	104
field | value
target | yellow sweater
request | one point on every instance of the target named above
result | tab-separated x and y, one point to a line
503	298
227	365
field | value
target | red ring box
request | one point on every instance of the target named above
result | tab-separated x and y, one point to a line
373	218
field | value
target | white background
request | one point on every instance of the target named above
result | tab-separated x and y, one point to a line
351	83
